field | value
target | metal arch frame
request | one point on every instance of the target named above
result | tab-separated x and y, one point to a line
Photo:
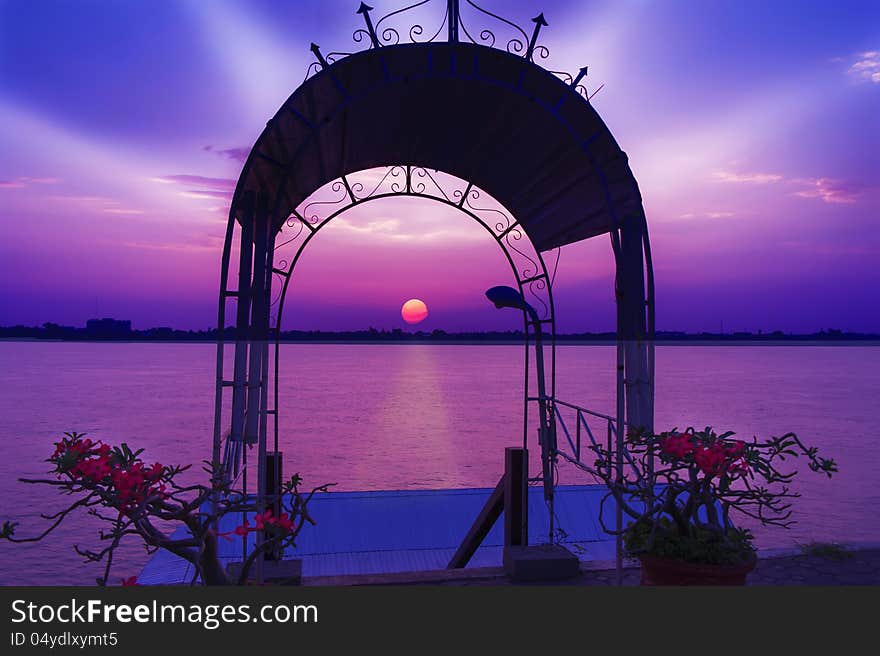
634	285
502	234
530	273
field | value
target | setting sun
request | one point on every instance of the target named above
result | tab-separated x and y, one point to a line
414	311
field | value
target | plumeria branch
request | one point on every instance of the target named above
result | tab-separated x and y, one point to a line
697	480
116	479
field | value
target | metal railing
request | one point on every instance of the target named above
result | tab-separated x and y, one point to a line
586	433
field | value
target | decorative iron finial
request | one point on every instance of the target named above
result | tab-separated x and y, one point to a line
316	49
365	9
581	75
539	22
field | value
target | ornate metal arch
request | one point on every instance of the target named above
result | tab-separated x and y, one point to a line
575	184
526	262
288	241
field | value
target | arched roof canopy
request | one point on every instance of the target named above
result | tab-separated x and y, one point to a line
484	115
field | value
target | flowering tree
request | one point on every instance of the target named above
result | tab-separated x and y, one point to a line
678	491
115	485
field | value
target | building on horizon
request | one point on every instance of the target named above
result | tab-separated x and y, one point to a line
107	327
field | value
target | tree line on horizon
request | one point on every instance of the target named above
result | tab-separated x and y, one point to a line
115	330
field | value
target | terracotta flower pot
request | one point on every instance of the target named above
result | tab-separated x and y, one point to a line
664	571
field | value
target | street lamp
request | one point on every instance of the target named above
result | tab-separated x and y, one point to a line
507	297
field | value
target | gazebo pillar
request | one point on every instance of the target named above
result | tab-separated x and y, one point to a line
633	325
251	360
242	323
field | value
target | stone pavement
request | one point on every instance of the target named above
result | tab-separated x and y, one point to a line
816	566
856	567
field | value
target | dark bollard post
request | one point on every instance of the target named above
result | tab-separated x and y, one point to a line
516	509
274	471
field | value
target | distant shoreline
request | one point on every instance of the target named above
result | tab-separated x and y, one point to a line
113	330
792	342
561	340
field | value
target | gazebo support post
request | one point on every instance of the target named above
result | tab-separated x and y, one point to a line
216	453
634	378
242	324
634	325
259	337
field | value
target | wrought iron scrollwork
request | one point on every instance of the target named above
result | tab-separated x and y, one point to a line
514	45
347	191
383	33
391	174
500	225
420	184
530	267
535	287
310	211
389	35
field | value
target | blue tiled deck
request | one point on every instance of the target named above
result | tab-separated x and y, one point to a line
411	530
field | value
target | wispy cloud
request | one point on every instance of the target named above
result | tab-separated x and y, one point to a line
828	190
172	247
237	154
387	226
200	187
396	230
866	67
747	178
97	203
121	210
25	181
706	215
199	180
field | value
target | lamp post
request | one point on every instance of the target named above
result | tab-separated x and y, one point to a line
507	297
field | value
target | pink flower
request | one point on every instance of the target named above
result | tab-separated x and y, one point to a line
676	445
710	460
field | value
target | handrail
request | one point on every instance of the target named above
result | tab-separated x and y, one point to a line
575	443
574	407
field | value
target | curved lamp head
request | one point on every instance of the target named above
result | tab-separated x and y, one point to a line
506	297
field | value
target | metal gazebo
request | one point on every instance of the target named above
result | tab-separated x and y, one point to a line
473	122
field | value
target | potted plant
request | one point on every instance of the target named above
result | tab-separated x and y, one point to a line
681	491
147	502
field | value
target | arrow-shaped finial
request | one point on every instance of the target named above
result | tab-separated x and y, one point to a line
539	22
581	75
316	49
365	9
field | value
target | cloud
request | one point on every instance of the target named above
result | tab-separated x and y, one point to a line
83	199
198	180
201	187
866	67
395	230
173	247
121	210
100	203
708	215
237	154
748	178
828	190
24	181
375	226
207	194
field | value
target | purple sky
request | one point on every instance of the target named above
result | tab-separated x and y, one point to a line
752	128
